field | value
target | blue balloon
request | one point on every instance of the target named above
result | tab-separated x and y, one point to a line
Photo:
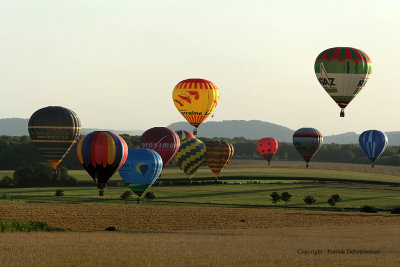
373	143
141	169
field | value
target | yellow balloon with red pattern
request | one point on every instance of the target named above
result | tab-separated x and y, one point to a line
195	99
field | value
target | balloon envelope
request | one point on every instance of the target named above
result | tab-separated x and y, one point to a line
184	134
162	140
307	142
195	99
101	153
219	154
141	169
54	130
343	72
191	155
373	143
267	148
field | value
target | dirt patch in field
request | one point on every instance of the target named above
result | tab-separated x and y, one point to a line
97	217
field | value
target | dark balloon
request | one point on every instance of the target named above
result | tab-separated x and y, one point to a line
373	143
307	142
54	130
101	153
162	140
267	148
219	154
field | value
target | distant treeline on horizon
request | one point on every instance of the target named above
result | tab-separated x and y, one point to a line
19	151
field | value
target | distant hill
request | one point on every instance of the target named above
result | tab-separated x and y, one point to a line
238	128
344	138
19	127
14	127
254	129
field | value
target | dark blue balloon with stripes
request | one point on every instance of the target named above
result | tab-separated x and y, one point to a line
373	143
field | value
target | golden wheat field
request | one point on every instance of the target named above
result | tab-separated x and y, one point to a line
96	217
198	236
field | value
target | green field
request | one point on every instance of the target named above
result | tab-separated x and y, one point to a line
259	173
243	195
355	188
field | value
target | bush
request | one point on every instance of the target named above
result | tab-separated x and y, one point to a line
275	197
309	200
336	198
59	193
18	226
368	209
331	202
395	211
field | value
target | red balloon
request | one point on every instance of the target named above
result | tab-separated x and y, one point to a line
267	148
162	140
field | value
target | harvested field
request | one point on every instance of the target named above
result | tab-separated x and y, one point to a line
96	217
293	246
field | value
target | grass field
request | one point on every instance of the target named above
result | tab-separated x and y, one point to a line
355	188
353	196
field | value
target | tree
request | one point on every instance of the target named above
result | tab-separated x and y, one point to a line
126	196
334	199
309	200
275	197
42	174
285	196
59	193
7	181
331	202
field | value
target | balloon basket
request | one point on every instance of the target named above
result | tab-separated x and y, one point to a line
342	113
101	193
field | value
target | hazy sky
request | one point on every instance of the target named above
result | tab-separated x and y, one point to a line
115	63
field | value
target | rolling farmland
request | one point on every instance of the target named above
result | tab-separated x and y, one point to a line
214	224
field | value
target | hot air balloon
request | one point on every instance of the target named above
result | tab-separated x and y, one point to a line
190	156
162	140
219	154
267	148
141	169
373	143
307	142
101	153
184	134
195	99
54	130
343	72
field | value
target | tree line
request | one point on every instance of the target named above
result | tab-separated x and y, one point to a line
19	151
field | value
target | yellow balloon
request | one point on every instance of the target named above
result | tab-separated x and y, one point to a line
195	99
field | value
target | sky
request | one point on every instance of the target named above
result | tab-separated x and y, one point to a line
115	63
